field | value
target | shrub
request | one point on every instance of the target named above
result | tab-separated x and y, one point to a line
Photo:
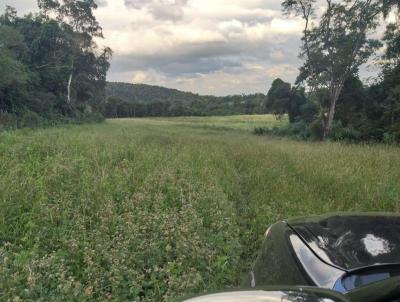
89	117
316	130
392	137
30	119
349	133
297	130
260	131
8	121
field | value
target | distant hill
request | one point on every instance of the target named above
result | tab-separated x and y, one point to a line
139	100
147	93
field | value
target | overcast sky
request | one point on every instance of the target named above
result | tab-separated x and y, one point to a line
215	47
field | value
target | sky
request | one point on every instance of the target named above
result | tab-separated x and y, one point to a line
218	47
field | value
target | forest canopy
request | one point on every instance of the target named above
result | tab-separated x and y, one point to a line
140	100
51	69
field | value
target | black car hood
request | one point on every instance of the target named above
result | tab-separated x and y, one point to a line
350	241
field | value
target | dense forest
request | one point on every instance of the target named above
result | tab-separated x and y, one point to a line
51	70
328	100
139	100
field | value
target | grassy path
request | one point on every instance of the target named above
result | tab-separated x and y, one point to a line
152	209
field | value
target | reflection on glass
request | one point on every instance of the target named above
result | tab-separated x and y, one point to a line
375	245
321	273
366	277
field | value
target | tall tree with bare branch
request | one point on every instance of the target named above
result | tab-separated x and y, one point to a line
335	45
78	15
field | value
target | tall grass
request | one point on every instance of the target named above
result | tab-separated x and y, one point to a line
152	209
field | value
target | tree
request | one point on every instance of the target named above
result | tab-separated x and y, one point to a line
79	22
37	55
13	83
335	48
77	14
351	102
391	77
282	99
297	108
391	104
278	98
50	47
14	76
9	16
392	39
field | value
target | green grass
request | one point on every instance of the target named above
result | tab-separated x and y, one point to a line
152	209
237	122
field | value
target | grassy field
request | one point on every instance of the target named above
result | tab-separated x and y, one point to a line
152	209
239	122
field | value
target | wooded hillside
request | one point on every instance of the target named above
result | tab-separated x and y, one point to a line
138	100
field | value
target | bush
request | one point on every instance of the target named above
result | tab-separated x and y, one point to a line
89	117
260	131
392	137
356	132
30	119
8	121
309	111
297	130
349	133
316	130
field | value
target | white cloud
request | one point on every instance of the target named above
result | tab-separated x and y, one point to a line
139	77
160	9
23	6
183	40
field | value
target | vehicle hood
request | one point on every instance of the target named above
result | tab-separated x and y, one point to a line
352	241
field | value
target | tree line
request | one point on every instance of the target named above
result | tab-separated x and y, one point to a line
139	100
51	69
328	99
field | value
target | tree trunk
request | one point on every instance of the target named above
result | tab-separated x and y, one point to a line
392	112
69	89
70	83
332	109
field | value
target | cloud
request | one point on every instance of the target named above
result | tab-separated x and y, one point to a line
22	6
207	39
139	77
160	9
137	4
101	3
27	6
